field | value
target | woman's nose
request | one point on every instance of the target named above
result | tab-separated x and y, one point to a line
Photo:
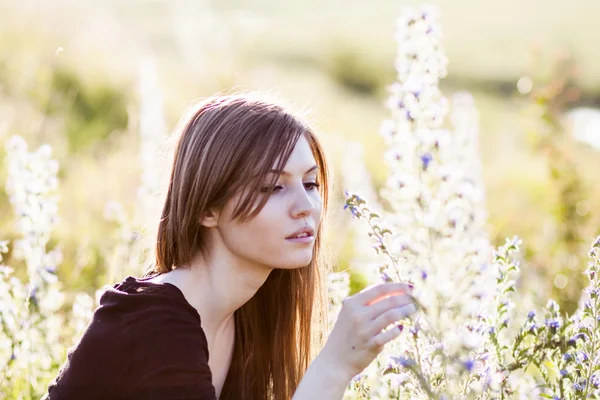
303	205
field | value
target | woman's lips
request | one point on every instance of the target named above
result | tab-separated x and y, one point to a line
302	240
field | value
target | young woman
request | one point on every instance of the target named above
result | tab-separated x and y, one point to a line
233	307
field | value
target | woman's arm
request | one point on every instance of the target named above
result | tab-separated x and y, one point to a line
356	339
325	377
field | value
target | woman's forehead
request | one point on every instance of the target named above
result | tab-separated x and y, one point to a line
301	159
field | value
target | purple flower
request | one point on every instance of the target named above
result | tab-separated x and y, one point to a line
573	339
595	380
593	292
582	356
357	378
553	324
590	272
385	277
531	315
414	330
426	159
353	209
51	269
468	365
404	362
33	296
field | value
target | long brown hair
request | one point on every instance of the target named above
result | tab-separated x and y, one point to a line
226	145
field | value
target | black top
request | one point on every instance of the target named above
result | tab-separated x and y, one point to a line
144	342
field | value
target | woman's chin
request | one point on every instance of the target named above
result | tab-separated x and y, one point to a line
295	264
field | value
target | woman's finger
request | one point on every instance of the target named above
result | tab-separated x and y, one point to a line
390	302
373	294
389	317
382	338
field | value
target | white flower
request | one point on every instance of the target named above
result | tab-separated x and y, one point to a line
436	197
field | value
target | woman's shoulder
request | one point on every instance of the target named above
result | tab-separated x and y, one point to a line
143	296
142	335
145	311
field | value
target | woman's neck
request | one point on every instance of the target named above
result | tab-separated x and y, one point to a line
216	287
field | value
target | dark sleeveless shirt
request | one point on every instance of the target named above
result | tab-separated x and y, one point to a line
145	341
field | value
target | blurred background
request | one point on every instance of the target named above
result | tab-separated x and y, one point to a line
83	76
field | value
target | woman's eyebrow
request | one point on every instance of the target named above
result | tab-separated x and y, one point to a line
311	169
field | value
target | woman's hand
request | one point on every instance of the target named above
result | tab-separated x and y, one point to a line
357	336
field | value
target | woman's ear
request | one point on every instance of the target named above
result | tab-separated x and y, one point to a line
209	219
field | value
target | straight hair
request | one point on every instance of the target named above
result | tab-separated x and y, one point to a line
228	145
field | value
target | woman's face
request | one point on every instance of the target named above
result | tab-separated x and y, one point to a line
294	204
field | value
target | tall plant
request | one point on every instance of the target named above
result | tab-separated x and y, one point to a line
464	342
33	327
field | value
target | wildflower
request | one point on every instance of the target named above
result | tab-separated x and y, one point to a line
594	292
414	330
388	129
595	380
553	324
385	277
468	365
353	209
438	208
532	328
575	337
426	159
30	316
353	204
582	356
402	361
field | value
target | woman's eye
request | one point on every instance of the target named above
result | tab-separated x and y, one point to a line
308	186
311	185
271	190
